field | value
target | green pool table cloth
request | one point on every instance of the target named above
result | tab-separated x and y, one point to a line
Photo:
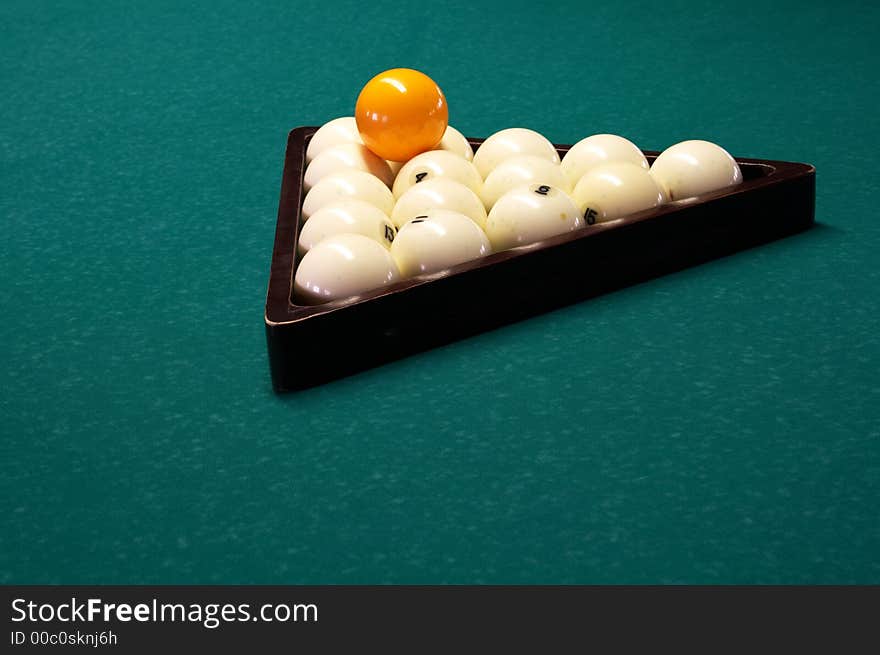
717	425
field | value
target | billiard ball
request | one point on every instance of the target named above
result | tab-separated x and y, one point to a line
691	168
341	266
437	163
437	240
611	191
510	142
453	141
349	215
599	149
401	113
531	213
333	133
519	170
348	183
347	155
438	193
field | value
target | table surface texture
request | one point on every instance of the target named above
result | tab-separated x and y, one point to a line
717	425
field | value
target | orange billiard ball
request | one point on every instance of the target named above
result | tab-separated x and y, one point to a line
401	113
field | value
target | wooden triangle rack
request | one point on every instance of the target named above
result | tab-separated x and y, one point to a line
310	345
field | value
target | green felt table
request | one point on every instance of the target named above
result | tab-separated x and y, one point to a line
717	425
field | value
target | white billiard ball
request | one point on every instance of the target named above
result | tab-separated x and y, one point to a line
341	266
438	193
691	168
346	216
437	240
522	170
509	143
453	141
437	163
348	183
347	155
531	213
333	133
599	149
611	191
